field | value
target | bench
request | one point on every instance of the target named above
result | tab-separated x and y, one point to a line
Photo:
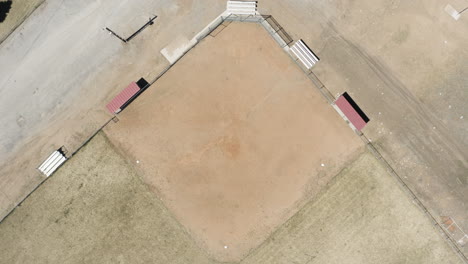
242	8
304	54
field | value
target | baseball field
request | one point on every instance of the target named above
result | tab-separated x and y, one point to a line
232	156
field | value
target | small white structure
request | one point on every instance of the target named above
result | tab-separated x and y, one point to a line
242	8
56	159
452	12
304	54
177	48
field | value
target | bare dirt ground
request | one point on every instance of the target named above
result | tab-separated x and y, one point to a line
233	138
20	10
406	66
96	209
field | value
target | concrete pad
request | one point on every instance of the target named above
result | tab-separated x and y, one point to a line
177	48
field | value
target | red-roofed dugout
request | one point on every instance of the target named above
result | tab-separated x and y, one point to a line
122	98
350	109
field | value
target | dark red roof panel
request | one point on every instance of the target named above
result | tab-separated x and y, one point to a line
122	97
350	113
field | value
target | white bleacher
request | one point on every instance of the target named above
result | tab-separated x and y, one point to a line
304	54
242	8
52	163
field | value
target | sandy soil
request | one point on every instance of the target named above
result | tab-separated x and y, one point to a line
233	138
20	10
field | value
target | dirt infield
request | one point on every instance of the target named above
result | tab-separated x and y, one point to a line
20	10
233	139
